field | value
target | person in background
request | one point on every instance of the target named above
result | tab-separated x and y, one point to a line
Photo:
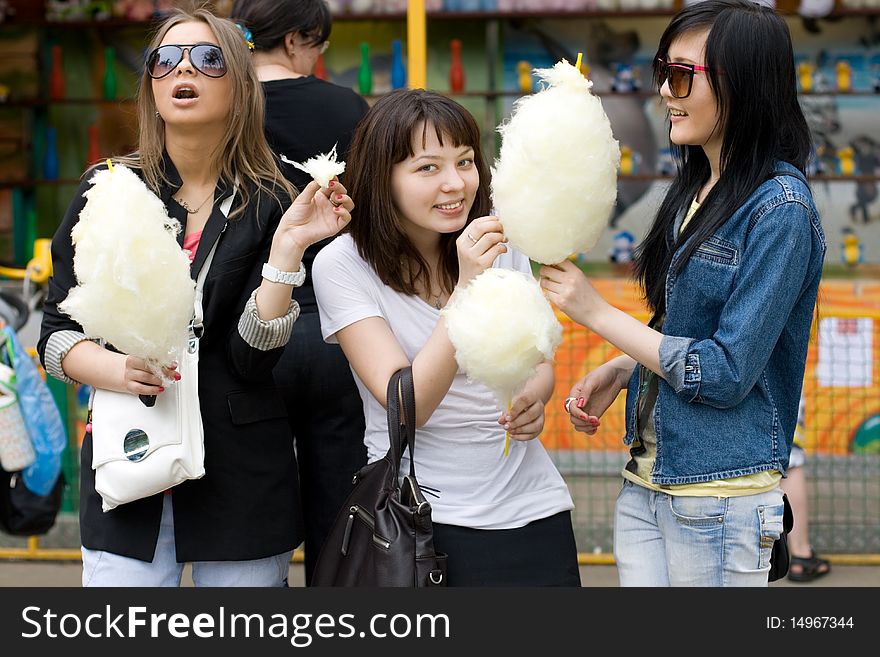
306	116
201	141
805	564
730	269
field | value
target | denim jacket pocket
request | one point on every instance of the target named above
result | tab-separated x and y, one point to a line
719	251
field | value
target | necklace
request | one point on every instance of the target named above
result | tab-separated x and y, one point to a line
187	207
437	299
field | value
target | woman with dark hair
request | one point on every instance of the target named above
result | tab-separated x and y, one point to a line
306	116
730	269
201	142
423	232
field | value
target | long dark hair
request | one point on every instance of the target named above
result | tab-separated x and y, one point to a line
751	72
271	20
384	138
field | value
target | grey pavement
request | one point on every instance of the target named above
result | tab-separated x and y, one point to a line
68	573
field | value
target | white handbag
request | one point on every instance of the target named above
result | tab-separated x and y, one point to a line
138	451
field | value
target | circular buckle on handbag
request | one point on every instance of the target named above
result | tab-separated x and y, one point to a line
423	509
135	444
439	580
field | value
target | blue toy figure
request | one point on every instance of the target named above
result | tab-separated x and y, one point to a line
398	72
625	79
665	162
622	245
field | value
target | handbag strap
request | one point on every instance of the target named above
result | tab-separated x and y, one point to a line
401	404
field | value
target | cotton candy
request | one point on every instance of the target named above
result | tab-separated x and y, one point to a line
502	327
133	283
322	168
554	183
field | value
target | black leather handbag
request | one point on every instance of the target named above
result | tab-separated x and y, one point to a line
383	535
780	557
23	513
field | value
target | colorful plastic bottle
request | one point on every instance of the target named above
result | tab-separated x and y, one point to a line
398	72
456	70
843	69
365	73
320	68
94	154
109	73
524	75
50	162
56	75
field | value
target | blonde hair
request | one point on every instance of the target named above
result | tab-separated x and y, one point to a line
243	155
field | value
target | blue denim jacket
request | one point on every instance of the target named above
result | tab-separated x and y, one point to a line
737	324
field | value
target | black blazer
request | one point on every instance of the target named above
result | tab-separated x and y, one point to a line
246	505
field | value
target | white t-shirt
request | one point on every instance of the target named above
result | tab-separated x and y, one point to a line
460	450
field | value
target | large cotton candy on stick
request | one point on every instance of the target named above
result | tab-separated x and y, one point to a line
134	288
555	181
502	328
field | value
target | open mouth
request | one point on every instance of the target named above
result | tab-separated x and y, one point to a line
677	112
185	93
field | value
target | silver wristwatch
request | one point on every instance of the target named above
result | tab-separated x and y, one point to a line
294	278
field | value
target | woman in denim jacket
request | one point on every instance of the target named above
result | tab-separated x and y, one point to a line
730	269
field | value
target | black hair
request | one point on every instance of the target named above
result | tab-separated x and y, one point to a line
752	75
271	20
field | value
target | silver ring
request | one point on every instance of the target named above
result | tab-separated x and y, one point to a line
471	238
568	401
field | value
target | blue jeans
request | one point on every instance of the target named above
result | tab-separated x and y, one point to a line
667	540
102	568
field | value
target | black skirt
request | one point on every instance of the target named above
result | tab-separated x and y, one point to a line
542	553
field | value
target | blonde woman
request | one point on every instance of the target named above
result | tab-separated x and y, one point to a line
201	140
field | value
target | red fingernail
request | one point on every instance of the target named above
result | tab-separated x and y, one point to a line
580	402
330	184
89	427
339	197
177	376
161	389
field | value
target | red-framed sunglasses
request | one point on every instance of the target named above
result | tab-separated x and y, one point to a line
679	76
206	58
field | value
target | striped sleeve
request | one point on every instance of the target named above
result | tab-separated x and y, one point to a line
57	347
262	334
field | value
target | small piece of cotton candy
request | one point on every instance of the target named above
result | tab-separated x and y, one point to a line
555	181
322	168
502	328
134	288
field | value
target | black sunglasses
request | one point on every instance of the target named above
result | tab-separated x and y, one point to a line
206	58
679	76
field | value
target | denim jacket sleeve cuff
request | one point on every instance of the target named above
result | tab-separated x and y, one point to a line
262	334
681	369
57	347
